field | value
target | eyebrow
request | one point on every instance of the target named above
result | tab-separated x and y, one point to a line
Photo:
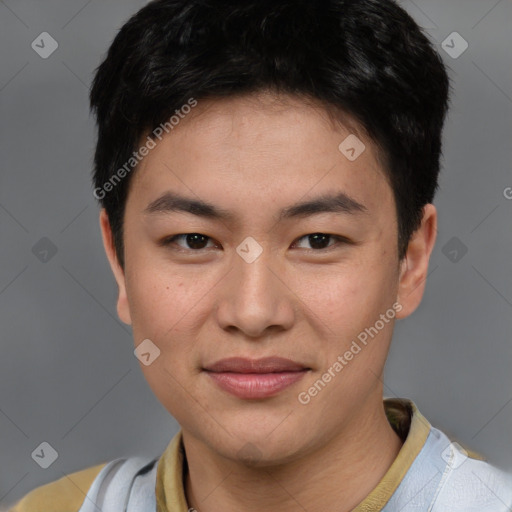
327	203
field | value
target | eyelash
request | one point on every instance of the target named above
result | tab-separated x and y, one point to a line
167	242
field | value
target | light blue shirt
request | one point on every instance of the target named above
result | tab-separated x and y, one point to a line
442	478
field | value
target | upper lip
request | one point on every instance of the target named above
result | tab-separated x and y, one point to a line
264	365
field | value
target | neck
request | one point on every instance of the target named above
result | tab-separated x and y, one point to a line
337	476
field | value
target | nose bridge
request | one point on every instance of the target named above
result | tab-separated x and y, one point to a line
255	298
255	276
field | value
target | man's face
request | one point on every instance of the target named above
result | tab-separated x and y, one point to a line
203	299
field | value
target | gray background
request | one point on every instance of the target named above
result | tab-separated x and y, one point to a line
67	371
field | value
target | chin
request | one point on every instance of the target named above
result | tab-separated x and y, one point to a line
256	448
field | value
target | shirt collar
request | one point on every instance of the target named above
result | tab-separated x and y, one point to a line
402	414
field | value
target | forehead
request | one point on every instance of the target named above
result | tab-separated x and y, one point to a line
281	145
248	115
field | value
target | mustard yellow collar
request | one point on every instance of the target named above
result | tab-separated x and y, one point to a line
402	414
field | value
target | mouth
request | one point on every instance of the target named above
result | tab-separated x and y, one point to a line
255	378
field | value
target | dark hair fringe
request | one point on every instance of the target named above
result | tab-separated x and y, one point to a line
366	58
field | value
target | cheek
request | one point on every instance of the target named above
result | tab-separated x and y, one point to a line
343	302
158	295
169	308
342	293
156	303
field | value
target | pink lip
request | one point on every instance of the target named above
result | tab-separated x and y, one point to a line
264	365
255	378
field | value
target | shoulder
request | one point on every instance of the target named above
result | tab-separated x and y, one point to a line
470	484
446	476
474	485
64	495
103	487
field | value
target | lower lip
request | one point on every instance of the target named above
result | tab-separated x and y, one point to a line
255	385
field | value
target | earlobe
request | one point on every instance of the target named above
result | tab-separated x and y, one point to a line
123	308
414	267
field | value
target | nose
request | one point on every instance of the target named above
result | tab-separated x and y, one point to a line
256	298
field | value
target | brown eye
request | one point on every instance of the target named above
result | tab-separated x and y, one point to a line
320	241
192	241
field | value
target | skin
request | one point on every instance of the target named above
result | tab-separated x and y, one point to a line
255	155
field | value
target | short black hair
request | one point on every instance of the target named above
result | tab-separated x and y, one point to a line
366	58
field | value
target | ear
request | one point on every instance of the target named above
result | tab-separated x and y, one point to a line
414	266
123	307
